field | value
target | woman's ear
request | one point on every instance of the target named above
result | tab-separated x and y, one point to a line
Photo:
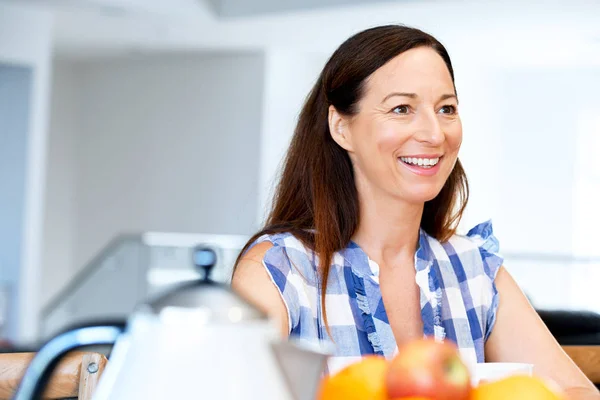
338	129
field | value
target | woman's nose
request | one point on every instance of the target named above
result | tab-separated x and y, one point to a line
430	129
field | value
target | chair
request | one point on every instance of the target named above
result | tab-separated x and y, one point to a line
587	359
76	376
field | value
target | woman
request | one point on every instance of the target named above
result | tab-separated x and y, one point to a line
361	247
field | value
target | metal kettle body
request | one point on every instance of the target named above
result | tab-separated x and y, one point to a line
199	340
218	361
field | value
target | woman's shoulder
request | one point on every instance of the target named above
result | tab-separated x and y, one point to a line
281	242
281	239
284	252
279	284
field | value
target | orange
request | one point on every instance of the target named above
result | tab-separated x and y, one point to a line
363	380
518	387
411	398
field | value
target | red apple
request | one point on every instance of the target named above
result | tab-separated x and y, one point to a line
425	368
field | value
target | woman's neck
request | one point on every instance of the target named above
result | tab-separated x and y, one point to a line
388	229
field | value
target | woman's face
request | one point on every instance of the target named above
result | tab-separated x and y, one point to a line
405	138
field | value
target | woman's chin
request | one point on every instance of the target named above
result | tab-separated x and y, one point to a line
421	196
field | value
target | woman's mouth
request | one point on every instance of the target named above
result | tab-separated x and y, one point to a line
421	162
423	165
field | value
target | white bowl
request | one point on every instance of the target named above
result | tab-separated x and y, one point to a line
495	371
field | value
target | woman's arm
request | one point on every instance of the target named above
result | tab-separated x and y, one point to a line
519	335
252	282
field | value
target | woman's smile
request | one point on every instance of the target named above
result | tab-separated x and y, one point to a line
423	165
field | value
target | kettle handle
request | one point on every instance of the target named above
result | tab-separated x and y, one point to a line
46	359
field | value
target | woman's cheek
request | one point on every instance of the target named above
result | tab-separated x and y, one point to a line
390	137
454	136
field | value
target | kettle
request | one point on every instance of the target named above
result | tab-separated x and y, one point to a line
199	340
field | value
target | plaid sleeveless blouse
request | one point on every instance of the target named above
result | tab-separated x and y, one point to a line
458	296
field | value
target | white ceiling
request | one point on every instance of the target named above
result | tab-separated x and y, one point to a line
563	31
237	8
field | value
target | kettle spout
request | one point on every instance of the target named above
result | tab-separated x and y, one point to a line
302	366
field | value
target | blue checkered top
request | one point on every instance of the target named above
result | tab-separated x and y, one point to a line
456	279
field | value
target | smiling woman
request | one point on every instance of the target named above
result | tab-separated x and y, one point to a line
360	248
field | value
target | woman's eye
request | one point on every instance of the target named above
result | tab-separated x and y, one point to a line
448	110
404	109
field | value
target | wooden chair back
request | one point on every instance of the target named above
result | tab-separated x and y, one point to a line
76	375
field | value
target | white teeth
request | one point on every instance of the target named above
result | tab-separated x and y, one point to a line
422	162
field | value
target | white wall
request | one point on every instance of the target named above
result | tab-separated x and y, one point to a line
548	189
523	139
59	218
25	39
524	146
289	76
164	143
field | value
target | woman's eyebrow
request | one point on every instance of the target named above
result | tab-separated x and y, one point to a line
400	94
448	96
414	96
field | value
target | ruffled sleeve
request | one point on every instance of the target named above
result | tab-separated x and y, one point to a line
483	236
281	263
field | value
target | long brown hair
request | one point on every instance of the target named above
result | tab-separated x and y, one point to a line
316	199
